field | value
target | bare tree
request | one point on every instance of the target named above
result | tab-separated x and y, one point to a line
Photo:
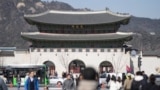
119	64
64	60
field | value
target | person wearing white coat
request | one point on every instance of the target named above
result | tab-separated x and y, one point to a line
113	83
119	83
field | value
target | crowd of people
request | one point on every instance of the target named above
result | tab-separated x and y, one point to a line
31	82
89	80
139	81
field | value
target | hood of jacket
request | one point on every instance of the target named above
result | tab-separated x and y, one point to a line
138	78
87	85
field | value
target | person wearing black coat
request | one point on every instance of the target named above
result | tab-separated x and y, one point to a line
151	85
139	83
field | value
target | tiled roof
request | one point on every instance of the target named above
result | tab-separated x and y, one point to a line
79	37
77	17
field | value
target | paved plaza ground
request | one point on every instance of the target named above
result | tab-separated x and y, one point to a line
22	88
41	88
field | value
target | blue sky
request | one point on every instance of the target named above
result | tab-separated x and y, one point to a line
139	8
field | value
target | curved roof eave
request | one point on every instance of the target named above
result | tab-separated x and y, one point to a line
77	37
76	17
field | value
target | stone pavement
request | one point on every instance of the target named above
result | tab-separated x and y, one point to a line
41	88
22	88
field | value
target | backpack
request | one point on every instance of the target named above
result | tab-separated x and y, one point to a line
136	85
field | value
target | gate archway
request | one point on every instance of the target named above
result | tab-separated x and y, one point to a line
76	66
106	66
50	66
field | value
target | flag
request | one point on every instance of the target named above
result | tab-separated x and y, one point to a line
128	69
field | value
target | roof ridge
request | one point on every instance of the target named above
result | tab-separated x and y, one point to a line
79	12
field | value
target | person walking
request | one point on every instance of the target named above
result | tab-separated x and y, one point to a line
68	84
4	78
79	79
18	82
3	85
128	83
26	77
145	76
108	78
32	82
151	85
139	83
113	83
89	81
119	83
103	86
59	84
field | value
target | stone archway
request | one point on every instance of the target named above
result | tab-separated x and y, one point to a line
106	66
76	66
50	66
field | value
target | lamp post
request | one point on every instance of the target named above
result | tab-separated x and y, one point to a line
140	49
139	62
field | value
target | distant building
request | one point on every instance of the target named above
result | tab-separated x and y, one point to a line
75	40
69	41
152	33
